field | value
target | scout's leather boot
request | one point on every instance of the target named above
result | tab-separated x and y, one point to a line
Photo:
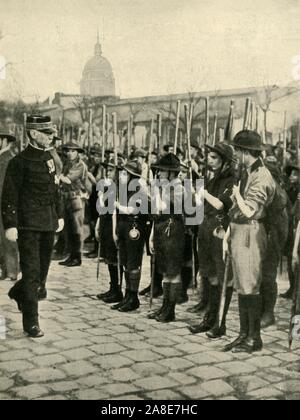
166	292
253	342
244	324
127	294
218	331
168	314
201	306
210	315
269	295
133	302
186	279
42	293
116	294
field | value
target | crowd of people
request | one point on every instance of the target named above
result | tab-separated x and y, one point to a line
49	195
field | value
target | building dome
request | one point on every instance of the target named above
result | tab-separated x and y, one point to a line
97	77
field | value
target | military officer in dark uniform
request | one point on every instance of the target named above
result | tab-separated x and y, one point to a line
31	214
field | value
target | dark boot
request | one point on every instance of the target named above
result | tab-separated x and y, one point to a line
42	293
201	306
16	293
244	324
290	292
30	319
126	296
75	252
218	331
186	280
211	314
253	342
133	302
145	291
116	294
168	314
269	294
166	292
67	261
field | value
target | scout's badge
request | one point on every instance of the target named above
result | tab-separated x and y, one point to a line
134	233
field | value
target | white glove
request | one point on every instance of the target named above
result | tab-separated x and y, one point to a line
61	225
11	234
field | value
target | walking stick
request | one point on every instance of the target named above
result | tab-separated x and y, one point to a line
98	256
221	312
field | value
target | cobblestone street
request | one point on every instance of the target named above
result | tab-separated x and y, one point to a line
92	352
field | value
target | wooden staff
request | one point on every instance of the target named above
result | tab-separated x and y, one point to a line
107	129
284	140
207	120
215	129
103	131
129	132
252	115
229	126
132	134
158	125
177	127
191	113
24	136
246	114
257	119
90	130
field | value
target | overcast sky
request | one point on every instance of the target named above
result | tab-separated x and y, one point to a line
154	46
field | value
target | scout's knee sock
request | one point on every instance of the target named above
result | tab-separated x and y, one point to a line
186	280
269	293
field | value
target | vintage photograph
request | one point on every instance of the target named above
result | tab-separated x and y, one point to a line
149	202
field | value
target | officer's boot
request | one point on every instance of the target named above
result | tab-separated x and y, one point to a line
168	313
16	293
186	280
201	306
244	324
253	342
269	294
166	292
30	319
133	302
116	295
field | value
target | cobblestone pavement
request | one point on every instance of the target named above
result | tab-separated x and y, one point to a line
92	352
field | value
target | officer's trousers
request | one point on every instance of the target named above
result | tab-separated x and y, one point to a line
35	249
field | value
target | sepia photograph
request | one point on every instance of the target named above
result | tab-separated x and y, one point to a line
149	203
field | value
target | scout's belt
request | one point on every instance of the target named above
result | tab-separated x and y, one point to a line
248	222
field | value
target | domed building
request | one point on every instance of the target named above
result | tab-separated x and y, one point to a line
97	77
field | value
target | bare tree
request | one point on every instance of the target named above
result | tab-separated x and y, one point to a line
272	93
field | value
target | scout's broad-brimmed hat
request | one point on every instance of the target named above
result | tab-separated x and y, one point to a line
111	164
40	123
223	149
248	140
133	168
73	145
169	163
9	137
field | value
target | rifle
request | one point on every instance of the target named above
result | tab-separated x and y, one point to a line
177	127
